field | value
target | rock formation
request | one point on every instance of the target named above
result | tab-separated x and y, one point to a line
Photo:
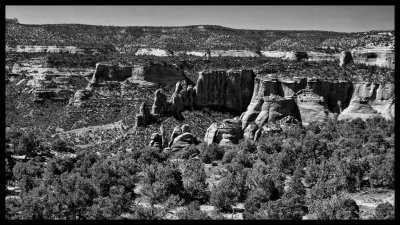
175	133
143	74
378	56
79	97
182	98
312	107
250	131
182	137
298	56
358	108
370	99
345	58
228	126
268	110
225	89
156	141
160	103
143	118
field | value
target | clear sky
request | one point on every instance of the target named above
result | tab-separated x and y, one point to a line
330	18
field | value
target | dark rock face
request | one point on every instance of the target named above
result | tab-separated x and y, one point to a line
160	103
378	56
153	73
225	89
144	117
182	98
345	58
156	141
298	56
111	72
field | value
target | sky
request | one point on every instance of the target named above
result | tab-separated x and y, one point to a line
328	18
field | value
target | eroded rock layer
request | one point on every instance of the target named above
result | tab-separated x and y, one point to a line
142	74
225	89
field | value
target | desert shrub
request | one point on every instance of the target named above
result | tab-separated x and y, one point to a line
160	181
229	155
188	152
384	211
255	198
247	146
150	155
291	208
337	207
193	212
224	195
27	174
60	146
194	181
210	152
382	170
244	158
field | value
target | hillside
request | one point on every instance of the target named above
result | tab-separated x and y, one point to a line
195	37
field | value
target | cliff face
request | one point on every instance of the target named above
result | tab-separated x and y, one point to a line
378	56
142	74
370	98
318	100
225	89
332	91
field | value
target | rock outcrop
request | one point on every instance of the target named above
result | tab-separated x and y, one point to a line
370	99
143	118
230	89
345	58
145	75
250	131
228	126
378	56
298	56
358	108
182	137
79	97
156	141
182	98
312	107
332	91
269	109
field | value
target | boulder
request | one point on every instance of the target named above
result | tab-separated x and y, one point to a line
249	132
185	128
175	133
182	141
156	141
228	126
228	139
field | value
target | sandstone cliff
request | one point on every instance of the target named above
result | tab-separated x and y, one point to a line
370	98
225	89
379	56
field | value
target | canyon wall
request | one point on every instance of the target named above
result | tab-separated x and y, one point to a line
230	89
142	74
375	56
